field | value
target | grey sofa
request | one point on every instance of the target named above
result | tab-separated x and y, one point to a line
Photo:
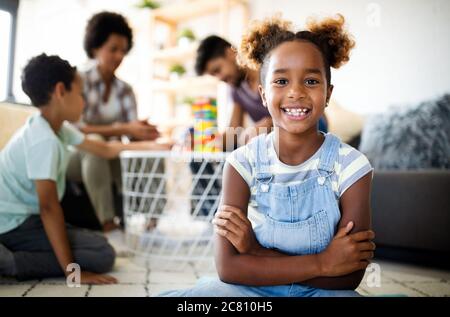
411	216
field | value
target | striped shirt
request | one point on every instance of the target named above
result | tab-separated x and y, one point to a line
121	104
349	168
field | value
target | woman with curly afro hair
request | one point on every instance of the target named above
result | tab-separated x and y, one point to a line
110	110
311	193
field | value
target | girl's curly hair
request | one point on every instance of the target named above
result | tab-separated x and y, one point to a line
329	36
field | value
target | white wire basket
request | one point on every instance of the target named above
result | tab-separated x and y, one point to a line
169	201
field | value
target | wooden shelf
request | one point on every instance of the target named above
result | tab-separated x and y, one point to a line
171	18
189	85
183	11
176	54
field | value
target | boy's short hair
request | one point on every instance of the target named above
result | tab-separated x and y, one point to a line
42	73
211	47
100	26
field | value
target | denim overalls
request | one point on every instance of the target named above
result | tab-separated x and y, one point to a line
299	219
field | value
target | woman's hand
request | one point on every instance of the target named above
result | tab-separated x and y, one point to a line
232	224
141	130
93	278
347	253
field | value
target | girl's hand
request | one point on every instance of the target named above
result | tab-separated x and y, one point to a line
232	224
347	253
93	278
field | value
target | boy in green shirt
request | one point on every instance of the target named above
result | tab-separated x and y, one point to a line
35	241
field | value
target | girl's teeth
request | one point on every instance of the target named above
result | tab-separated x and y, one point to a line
296	111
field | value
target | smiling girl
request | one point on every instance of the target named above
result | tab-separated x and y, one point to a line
311	191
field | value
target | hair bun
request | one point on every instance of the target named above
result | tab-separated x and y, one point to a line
332	32
261	38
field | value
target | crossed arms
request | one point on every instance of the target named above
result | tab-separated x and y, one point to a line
240	259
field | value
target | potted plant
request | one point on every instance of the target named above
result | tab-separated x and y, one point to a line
148	4
176	71
185	37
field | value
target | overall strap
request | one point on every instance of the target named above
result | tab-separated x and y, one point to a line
329	153
262	160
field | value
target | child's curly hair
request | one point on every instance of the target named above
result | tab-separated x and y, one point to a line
328	35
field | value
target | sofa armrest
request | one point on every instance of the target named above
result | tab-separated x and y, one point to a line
12	117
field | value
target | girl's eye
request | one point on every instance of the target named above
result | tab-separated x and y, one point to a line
281	82
311	82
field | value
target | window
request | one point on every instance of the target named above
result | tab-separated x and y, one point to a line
8	15
5	24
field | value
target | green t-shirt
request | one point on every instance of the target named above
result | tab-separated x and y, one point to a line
35	152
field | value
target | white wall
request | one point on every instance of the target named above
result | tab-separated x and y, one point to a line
5	26
57	27
404	58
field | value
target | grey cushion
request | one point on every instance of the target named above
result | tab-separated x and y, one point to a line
409	137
